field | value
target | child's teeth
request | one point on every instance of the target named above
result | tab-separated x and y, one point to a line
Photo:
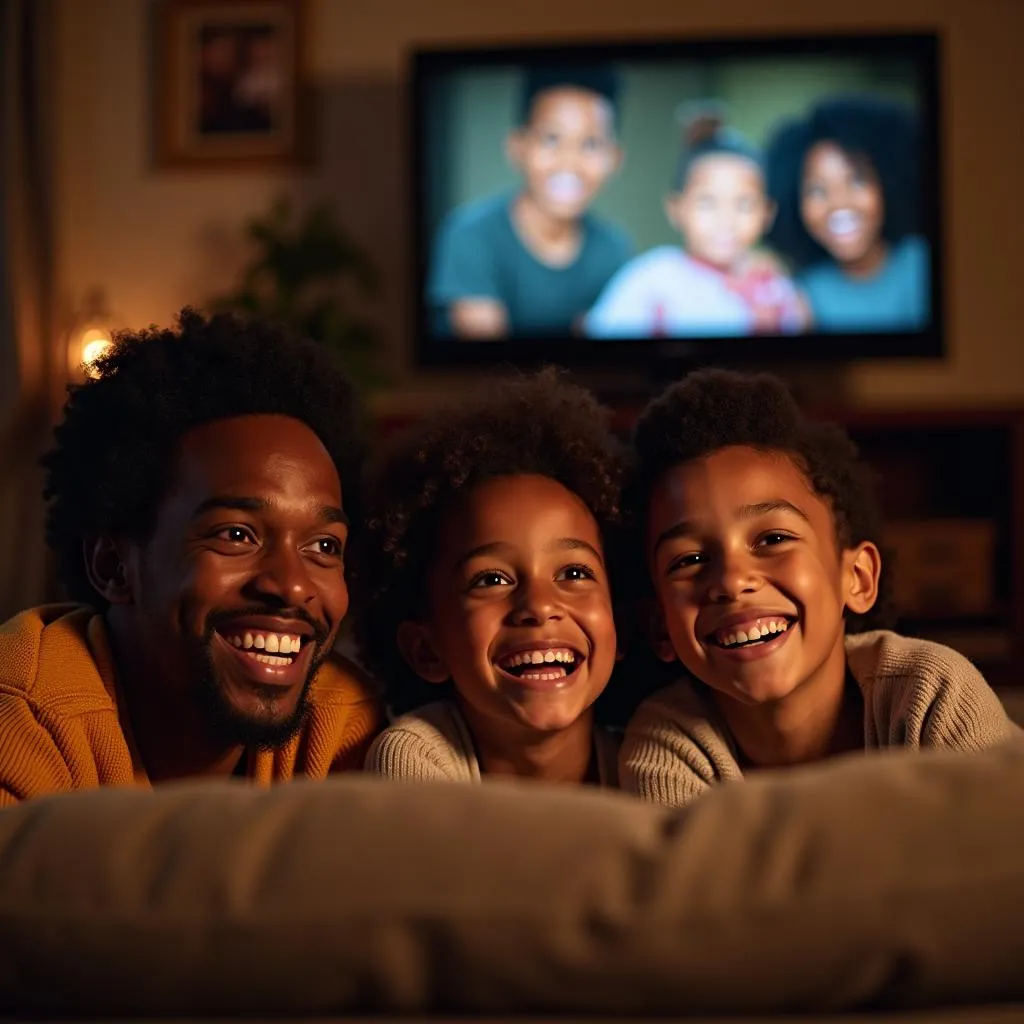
757	632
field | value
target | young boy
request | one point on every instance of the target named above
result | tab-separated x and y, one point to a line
485	605
759	530
534	262
715	283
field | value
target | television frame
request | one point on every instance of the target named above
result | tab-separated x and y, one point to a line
655	354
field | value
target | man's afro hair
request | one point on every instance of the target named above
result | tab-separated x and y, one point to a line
115	448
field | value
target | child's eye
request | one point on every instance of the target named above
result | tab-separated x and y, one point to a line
549	140
687	561
489	578
575	572
773	538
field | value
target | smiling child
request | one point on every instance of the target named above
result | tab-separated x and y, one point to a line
485	599
760	538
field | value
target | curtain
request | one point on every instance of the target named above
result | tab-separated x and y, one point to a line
27	340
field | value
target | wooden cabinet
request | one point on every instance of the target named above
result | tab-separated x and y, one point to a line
951	484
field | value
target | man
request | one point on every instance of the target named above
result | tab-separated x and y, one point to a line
201	489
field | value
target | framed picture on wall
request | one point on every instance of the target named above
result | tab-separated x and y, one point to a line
230	88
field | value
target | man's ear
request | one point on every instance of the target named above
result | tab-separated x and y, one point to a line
657	633
416	644
106	565
862	568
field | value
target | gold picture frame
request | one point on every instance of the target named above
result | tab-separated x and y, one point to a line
230	86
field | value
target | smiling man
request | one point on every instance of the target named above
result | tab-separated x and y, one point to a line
201	490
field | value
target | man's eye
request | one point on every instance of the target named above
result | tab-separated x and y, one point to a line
234	535
330	546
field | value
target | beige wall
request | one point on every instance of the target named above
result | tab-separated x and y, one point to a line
154	240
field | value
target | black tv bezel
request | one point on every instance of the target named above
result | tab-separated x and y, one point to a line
652	355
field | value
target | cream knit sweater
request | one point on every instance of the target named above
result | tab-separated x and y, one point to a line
434	742
916	694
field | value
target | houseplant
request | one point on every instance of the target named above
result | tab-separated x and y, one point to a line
307	274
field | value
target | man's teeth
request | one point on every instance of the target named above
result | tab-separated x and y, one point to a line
272	643
757	632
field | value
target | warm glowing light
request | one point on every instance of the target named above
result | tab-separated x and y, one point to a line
93	343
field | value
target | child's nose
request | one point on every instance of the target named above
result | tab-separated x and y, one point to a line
736	574
536	603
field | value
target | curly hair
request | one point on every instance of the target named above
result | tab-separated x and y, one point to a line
884	132
712	409
539	424
115	447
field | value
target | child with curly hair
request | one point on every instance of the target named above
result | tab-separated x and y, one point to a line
485	604
759	532
846	180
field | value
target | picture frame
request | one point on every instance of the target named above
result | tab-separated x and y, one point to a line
230	88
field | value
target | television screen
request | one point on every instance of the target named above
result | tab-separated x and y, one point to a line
701	199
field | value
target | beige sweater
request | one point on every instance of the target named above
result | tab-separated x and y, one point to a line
916	694
434	743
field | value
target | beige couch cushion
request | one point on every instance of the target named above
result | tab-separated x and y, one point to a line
893	880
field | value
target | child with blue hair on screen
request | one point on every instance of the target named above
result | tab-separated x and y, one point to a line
534	261
716	283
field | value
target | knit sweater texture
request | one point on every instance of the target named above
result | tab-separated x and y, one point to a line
434	743
916	694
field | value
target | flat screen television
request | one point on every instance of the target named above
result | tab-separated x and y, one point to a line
712	200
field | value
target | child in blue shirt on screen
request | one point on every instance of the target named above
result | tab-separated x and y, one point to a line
846	181
716	283
534	262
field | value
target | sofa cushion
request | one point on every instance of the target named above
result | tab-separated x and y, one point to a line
895	880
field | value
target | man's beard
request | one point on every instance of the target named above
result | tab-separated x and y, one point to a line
227	723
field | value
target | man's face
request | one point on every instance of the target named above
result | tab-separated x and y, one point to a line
237	596
567	151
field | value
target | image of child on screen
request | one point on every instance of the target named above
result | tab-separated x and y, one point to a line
717	283
846	182
534	261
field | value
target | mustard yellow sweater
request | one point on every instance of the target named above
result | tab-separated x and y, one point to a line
62	727
916	694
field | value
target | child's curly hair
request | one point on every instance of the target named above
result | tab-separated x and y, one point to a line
539	424
713	409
